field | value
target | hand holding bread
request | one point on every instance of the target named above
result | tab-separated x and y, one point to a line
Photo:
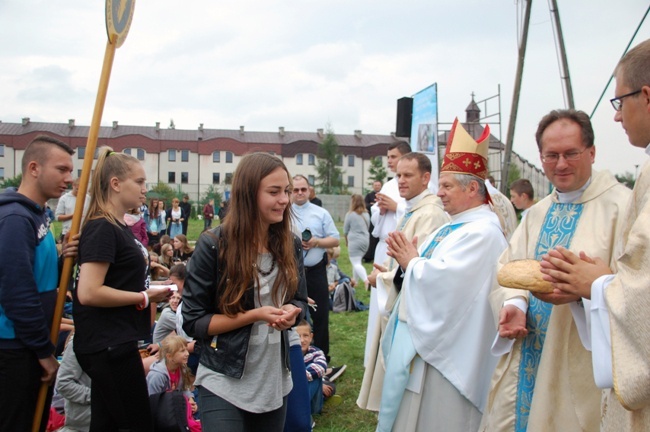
524	274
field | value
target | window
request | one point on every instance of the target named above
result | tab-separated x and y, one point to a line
185	177
228	178
185	155
2	150
2	173
339	160
350	181
215	178
228	157
127	151
311	179
216	157
140	154
81	152
311	159
171	155
299	159
171	177
79	173
351	160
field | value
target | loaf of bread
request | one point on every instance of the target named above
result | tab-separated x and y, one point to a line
523	274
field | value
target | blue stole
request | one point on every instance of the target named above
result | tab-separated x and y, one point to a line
399	351
557	230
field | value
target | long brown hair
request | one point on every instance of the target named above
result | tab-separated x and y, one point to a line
242	232
109	164
357	204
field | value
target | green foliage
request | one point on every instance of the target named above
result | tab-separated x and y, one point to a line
12	182
513	174
330	176
162	191
377	171
212	192
627	179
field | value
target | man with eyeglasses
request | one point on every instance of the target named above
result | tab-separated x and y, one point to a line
619	303
543	381
316	227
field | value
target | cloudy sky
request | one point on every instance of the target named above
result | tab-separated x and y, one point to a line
303	64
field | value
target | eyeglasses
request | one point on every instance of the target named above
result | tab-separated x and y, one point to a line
617	102
552	158
303	190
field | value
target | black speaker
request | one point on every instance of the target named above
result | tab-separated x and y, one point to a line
404	117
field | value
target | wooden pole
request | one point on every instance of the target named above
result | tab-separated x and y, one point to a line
68	262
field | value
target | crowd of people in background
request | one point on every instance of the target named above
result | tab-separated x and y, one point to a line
242	340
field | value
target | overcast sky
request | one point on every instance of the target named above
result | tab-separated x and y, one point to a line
303	64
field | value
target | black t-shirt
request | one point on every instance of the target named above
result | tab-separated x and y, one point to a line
97	328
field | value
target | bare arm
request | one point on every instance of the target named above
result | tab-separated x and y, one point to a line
93	292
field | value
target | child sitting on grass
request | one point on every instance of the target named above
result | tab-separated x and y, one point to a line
320	388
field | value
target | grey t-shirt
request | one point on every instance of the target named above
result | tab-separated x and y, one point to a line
266	380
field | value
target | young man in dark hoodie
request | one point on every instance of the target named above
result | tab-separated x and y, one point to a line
29	278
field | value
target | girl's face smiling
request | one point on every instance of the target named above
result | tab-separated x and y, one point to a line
273	196
180	357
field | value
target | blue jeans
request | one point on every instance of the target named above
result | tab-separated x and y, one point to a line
298	405
316	395
217	414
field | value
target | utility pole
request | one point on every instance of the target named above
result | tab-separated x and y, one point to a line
566	79
523	42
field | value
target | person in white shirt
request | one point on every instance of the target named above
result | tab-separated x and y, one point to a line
65	208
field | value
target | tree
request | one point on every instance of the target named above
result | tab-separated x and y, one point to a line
377	171
212	192
513	174
330	176
162	191
627	179
12	182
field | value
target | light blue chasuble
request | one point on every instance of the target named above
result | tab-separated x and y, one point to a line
399	351
557	230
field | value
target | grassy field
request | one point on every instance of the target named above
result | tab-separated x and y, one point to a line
347	341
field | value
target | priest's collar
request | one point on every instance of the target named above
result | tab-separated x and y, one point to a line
473	209
415	200
573	196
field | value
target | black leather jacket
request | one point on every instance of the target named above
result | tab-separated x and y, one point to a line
199	304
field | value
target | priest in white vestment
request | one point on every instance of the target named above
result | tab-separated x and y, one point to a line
423	214
543	381
385	212
617	319
437	341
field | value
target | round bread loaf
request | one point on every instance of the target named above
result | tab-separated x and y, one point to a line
523	274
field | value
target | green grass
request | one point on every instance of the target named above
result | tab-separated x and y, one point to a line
347	343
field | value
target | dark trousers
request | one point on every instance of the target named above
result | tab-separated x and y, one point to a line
20	381
119	400
298	407
217	414
317	289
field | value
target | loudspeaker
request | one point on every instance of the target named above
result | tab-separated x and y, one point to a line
404	117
